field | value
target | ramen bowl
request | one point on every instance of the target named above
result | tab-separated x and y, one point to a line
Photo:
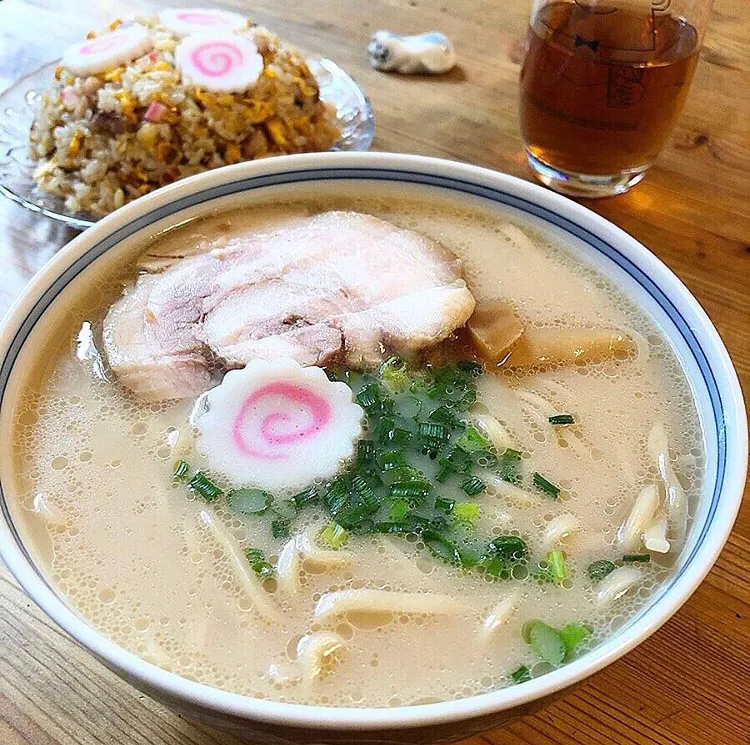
636	272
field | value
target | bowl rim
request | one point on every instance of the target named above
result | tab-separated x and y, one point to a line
174	687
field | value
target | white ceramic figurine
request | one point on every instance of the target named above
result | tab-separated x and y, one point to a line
423	53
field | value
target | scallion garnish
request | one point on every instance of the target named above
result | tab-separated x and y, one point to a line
510	547
457	461
599	569
521	674
248	501
384	427
334	535
572	634
259	564
443	415
280	528
181	470
473	485
365	451
442	547
495	566
562	419
393	372
509	464
398	436
636	558
202	485
466	512
336	496
472	441
546	486
399	510
444	505
432	436
392	459
286	509
413	491
545	641
558	566
369	397
307	497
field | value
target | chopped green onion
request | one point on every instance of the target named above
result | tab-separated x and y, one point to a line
259	564
361	490
474	369
201	484
473	485
444	505
546	486
181	470
248	501
495	566
399	510
572	634
562	419
393	372
286	509
413	491
636	558
457	461
392	459
336	496
370	398
280	528
404	473
466	512
510	547
521	674
598	570
365	451
398	436
472	441
334	535
384	428
441	547
432	435
307	497
545	641
466	401
558	566
510	462
443	415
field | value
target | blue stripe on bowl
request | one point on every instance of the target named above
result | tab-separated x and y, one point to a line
376	174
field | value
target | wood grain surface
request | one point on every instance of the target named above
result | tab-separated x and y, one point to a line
689	684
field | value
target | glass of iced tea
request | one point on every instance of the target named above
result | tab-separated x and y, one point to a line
602	85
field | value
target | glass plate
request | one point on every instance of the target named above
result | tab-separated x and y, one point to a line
17	106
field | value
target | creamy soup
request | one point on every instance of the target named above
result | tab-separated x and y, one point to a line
539	515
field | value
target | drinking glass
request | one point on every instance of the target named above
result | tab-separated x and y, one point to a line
602	85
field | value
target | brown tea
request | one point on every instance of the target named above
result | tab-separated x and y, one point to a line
601	88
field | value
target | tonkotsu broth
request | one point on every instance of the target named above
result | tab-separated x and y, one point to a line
124	544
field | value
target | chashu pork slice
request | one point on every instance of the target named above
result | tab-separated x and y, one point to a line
340	284
149	333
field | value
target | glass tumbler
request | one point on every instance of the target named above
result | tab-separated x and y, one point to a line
602	85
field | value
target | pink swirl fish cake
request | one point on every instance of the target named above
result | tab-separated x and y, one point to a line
278	426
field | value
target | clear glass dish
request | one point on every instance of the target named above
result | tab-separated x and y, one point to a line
17	106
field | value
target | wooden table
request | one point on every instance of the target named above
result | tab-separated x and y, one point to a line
689	684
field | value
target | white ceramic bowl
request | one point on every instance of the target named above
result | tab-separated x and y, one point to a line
638	273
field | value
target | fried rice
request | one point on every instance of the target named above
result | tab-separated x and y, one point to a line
97	149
